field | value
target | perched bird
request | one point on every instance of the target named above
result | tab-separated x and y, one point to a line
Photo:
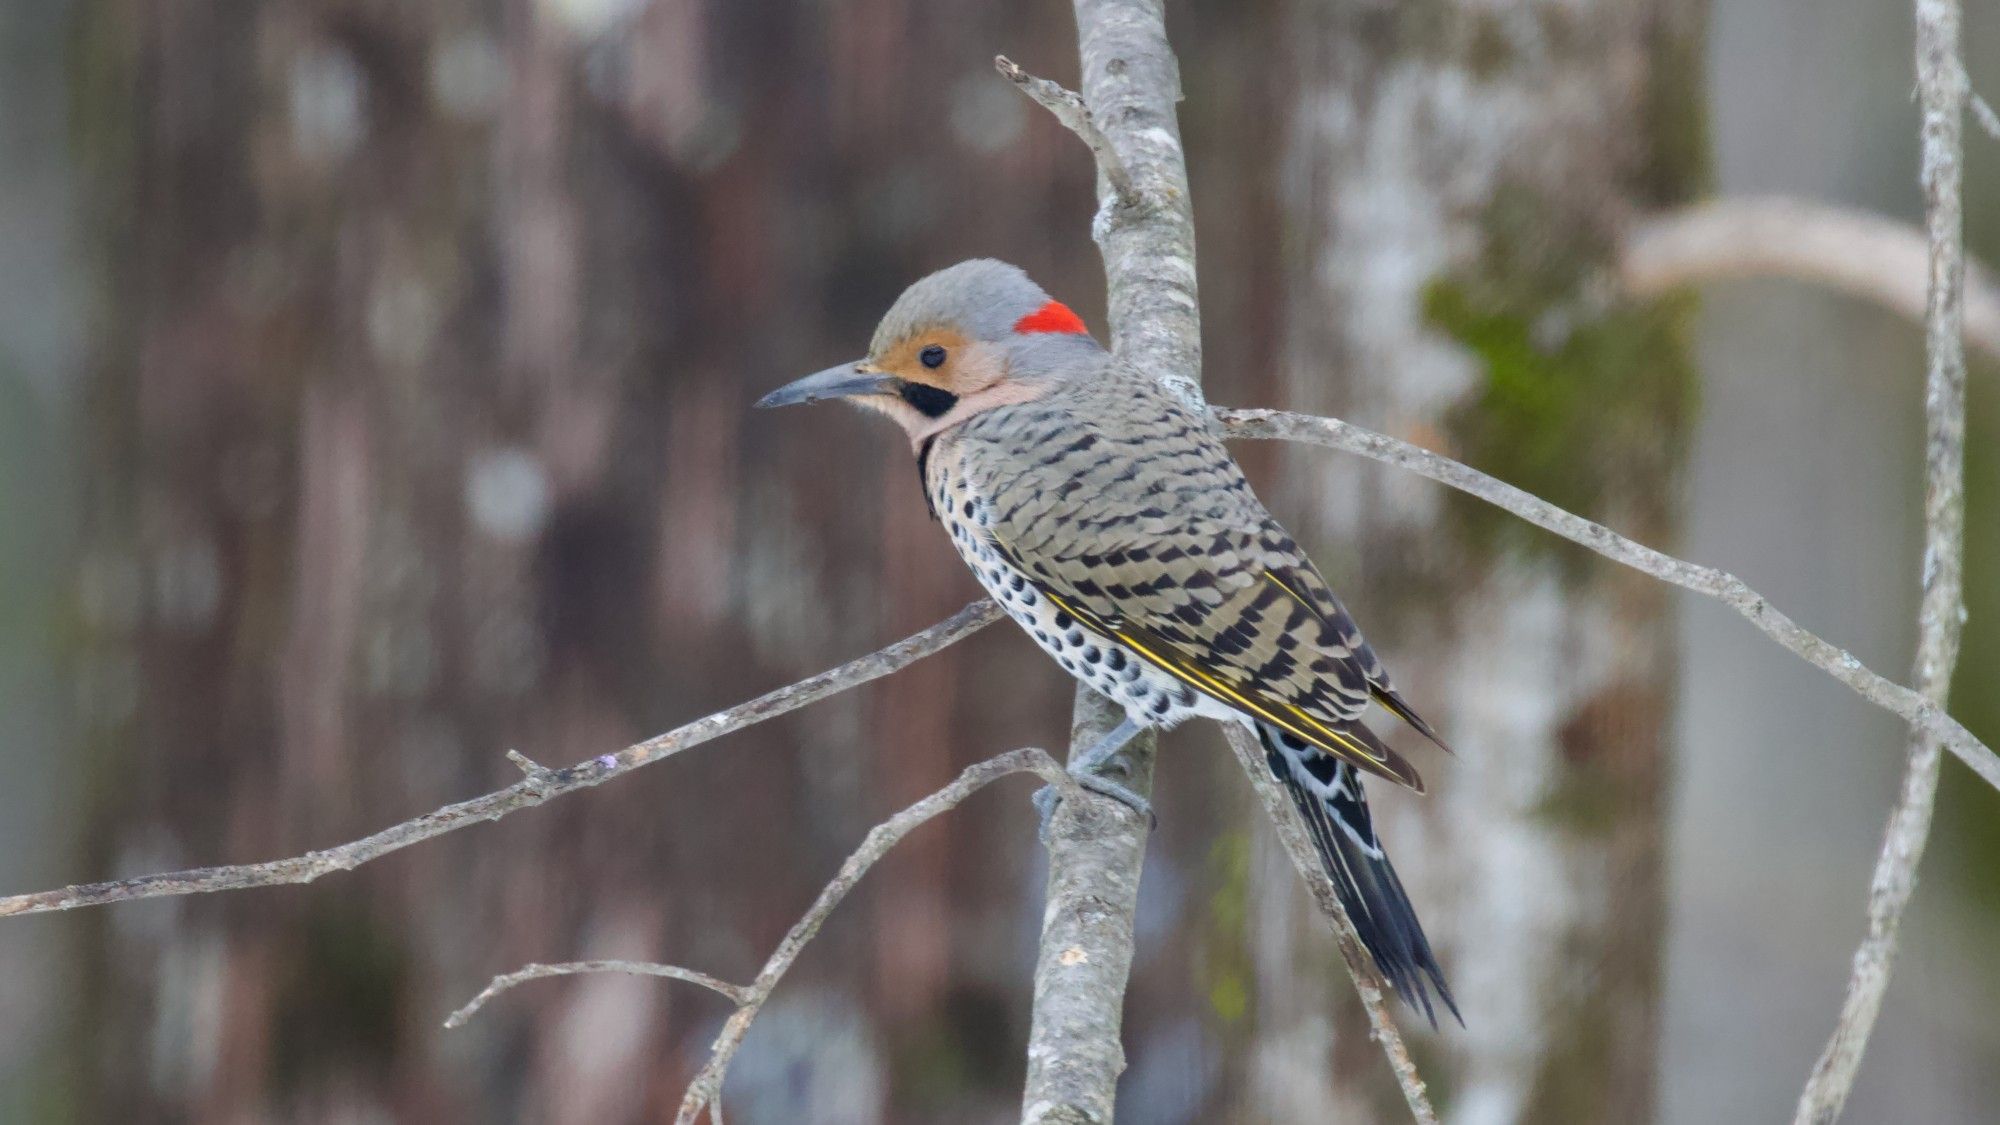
1109	520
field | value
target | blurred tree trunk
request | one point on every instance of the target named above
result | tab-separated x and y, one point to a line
425	337
1460	171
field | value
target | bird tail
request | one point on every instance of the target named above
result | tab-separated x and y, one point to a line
1327	793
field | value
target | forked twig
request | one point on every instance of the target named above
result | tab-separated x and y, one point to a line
706	1089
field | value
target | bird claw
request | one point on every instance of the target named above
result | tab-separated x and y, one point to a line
1089	767
1049	796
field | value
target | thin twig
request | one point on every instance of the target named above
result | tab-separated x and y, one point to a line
1942	91
749	999
1911	706
538	786
1857	252
707	1085
1988	120
1367	981
1068	107
538	971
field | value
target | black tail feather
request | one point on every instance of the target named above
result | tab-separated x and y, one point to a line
1327	793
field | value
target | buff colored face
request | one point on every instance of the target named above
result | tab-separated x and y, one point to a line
931	379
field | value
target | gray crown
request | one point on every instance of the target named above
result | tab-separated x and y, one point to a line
982	298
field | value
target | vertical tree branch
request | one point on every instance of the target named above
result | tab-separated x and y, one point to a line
1942	90
1097	848
1145	229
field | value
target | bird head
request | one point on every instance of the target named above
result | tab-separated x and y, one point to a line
964	340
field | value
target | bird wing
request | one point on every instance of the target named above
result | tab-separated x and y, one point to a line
1148	534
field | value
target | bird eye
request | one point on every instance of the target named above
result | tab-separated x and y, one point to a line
932	356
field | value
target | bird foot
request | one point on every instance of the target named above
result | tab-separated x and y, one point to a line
1089	768
1049	796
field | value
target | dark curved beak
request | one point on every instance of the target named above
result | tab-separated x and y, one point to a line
835	382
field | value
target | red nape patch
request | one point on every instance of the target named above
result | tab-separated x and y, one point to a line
1052	317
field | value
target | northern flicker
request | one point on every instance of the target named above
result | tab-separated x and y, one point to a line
1111	523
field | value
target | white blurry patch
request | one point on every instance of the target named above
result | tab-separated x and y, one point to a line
186	1040
327	89
986	116
606	1025
507	493
812	1056
1518	898
187	584
796	616
468	77
1290	1079
402	319
1172	1073
590	19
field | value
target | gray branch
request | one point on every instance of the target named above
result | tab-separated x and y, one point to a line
1146	233
1857	252
1911	706
706	1090
1367	981
1942	90
538	786
538	971
1988	119
1096	847
1068	108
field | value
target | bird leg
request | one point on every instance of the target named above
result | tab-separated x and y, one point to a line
1089	768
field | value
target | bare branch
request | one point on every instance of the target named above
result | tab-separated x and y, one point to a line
1912	707
537	971
1982	110
750	998
1097	848
1367	982
1942	90
539	785
1857	252
1068	108
707	1085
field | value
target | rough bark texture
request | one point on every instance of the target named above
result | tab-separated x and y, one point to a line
1131	84
1097	849
1942	88
1463	172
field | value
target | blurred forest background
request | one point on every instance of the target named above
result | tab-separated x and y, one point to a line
373	399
